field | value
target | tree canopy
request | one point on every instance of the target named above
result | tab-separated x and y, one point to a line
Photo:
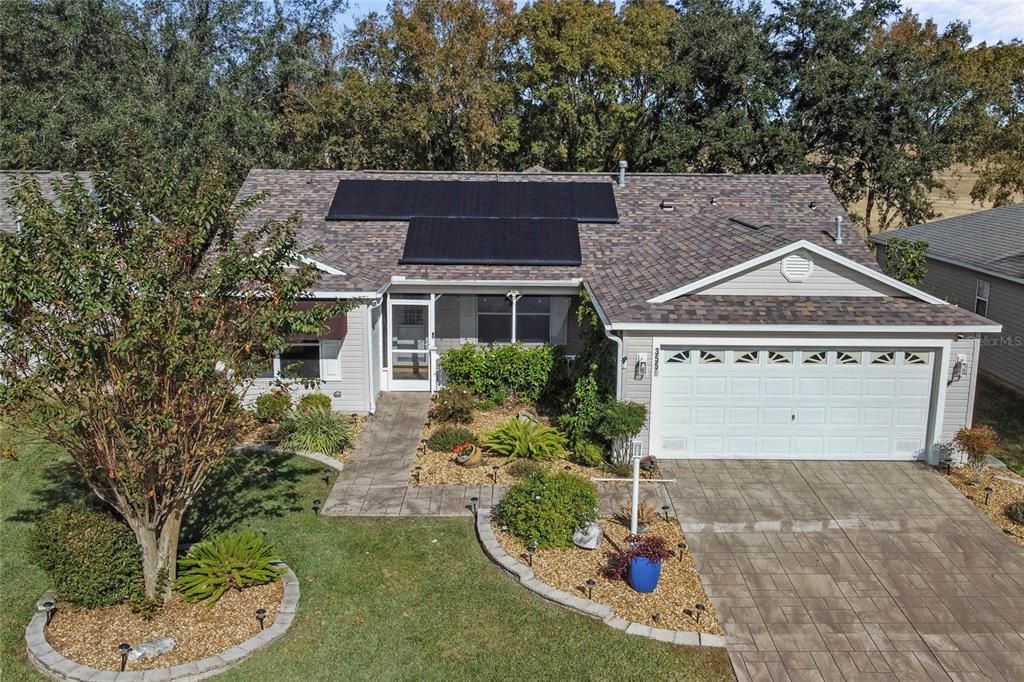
131	316
877	99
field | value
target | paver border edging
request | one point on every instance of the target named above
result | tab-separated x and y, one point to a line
54	664
319	457
524	576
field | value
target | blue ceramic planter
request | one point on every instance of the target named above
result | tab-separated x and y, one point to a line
644	574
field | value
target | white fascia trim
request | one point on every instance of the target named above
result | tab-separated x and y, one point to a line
796	246
575	282
597	306
808	328
343	294
323	267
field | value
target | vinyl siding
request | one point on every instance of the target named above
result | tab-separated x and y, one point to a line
826	279
354	379
1002	354
959	396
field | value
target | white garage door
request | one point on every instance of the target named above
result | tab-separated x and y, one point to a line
791	404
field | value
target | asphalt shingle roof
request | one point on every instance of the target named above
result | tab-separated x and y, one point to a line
991	240
48	181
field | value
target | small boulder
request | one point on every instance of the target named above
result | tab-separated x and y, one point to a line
588	537
152	648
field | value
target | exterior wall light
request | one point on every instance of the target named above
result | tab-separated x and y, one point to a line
959	367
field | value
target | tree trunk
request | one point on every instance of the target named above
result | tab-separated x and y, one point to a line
868	210
160	556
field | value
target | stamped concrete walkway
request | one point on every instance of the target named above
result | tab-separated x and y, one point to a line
375	479
849	570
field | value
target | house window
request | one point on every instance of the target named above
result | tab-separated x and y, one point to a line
682	357
819	357
847	357
532	319
745	358
981	298
883	358
301	361
707	357
493	319
780	357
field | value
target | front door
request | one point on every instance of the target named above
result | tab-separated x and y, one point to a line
412	334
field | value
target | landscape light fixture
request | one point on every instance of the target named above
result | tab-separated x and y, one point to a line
423	446
473	501
261	615
50	607
664	511
590	588
417	471
700	610
567	467
316	506
657	618
988	493
682	548
494	474
530	549
124	648
327	478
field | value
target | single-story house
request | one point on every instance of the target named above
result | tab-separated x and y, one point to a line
977	262
747	319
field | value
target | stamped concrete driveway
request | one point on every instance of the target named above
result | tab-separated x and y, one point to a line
852	570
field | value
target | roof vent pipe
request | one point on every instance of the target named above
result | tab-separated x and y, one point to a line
839	230
622	173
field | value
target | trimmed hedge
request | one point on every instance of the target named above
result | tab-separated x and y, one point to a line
547	508
314	400
92	558
273	406
497	373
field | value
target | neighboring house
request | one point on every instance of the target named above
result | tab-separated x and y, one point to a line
739	318
977	261
48	181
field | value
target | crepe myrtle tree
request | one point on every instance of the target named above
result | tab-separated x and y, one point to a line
132	315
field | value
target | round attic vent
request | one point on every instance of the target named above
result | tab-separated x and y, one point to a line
797	268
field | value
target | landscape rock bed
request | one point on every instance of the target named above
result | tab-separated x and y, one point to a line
439	468
679	589
1006	487
91	636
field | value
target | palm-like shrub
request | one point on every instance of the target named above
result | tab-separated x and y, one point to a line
527	439
320	430
230	561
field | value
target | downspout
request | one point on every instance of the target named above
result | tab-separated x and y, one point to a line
618	360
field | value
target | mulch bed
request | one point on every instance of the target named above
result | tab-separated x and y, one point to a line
91	636
270	434
1003	493
678	591
439	468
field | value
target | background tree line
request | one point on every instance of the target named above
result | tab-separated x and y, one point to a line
876	99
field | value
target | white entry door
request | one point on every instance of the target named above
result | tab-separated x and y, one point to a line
411	327
791	403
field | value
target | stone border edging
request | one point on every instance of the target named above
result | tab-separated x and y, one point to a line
524	575
52	663
321	458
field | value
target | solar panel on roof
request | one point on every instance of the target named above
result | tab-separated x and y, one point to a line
382	199
492	241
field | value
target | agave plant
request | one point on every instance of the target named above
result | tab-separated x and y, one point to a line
229	561
527	439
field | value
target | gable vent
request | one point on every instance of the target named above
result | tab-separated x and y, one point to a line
797	268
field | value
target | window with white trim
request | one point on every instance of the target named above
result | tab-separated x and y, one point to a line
708	357
916	358
745	357
848	357
494	317
981	293
887	357
318	359
780	357
682	357
817	357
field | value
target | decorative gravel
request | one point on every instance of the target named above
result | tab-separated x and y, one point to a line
91	636
439	468
1003	493
678	591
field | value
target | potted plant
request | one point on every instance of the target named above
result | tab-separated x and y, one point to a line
468	455
640	562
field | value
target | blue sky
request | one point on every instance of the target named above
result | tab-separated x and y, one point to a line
991	20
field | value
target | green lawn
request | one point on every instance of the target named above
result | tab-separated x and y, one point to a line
1003	410
392	599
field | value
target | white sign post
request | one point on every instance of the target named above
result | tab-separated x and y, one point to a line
635	502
